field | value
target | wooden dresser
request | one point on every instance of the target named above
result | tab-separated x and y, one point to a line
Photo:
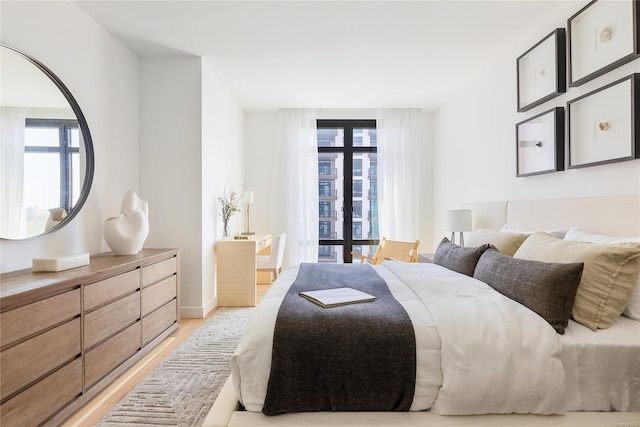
65	336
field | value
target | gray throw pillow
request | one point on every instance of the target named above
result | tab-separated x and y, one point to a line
549	289
457	258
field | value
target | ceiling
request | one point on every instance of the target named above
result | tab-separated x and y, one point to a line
326	54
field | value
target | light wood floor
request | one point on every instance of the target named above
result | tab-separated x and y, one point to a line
93	411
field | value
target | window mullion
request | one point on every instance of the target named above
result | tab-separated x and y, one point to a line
348	192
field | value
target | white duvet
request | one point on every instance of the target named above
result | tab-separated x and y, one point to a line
478	352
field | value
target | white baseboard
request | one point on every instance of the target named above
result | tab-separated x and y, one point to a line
198	312
209	306
192	312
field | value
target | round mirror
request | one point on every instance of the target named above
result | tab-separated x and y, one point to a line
46	152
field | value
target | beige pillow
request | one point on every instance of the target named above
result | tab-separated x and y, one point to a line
575	233
609	276
505	242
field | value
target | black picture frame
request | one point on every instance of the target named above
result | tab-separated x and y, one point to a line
536	84
540	143
594	49
603	124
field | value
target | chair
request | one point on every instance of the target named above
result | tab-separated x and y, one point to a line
273	263
392	250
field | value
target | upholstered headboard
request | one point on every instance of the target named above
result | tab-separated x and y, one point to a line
614	216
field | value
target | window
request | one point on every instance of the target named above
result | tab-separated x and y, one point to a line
357	167
347	168
324	168
373	189
324	189
329	138
325	209
324	251
325	229
357	230
357	188
357	208
51	148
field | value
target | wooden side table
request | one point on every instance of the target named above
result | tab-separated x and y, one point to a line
236	270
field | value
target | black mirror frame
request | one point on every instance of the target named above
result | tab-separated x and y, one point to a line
86	136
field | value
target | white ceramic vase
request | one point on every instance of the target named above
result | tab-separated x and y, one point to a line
126	233
56	215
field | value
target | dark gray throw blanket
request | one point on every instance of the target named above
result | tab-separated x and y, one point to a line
356	357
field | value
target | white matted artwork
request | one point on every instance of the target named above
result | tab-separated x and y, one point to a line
540	143
602	36
541	71
602	124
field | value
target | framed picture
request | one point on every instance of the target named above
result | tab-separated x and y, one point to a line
542	71
602	124
602	36
540	143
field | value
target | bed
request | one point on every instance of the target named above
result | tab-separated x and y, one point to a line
535	374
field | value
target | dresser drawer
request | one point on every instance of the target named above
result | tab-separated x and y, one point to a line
109	289
28	361
38	316
155	323
158	271
158	294
107	356
44	398
107	320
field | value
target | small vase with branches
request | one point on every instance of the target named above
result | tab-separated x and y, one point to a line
230	204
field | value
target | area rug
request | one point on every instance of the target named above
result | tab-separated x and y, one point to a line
182	389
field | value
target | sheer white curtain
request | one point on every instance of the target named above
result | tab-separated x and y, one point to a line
398	173
298	184
13	222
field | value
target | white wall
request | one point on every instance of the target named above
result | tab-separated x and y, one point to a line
103	76
261	129
222	165
474	138
261	132
170	172
190	148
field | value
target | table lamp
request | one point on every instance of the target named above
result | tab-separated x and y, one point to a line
458	220
248	199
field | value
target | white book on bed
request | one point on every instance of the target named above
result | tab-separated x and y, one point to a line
335	297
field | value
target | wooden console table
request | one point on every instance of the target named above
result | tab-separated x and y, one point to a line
67	335
236	274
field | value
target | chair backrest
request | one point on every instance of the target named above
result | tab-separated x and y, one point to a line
397	250
277	247
277	252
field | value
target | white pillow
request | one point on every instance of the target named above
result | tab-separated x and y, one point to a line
578	235
555	233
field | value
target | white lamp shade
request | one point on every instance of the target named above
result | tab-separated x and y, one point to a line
458	220
248	197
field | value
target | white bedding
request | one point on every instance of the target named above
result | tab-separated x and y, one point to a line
478	352
602	368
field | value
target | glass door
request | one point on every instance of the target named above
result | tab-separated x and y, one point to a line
347	184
